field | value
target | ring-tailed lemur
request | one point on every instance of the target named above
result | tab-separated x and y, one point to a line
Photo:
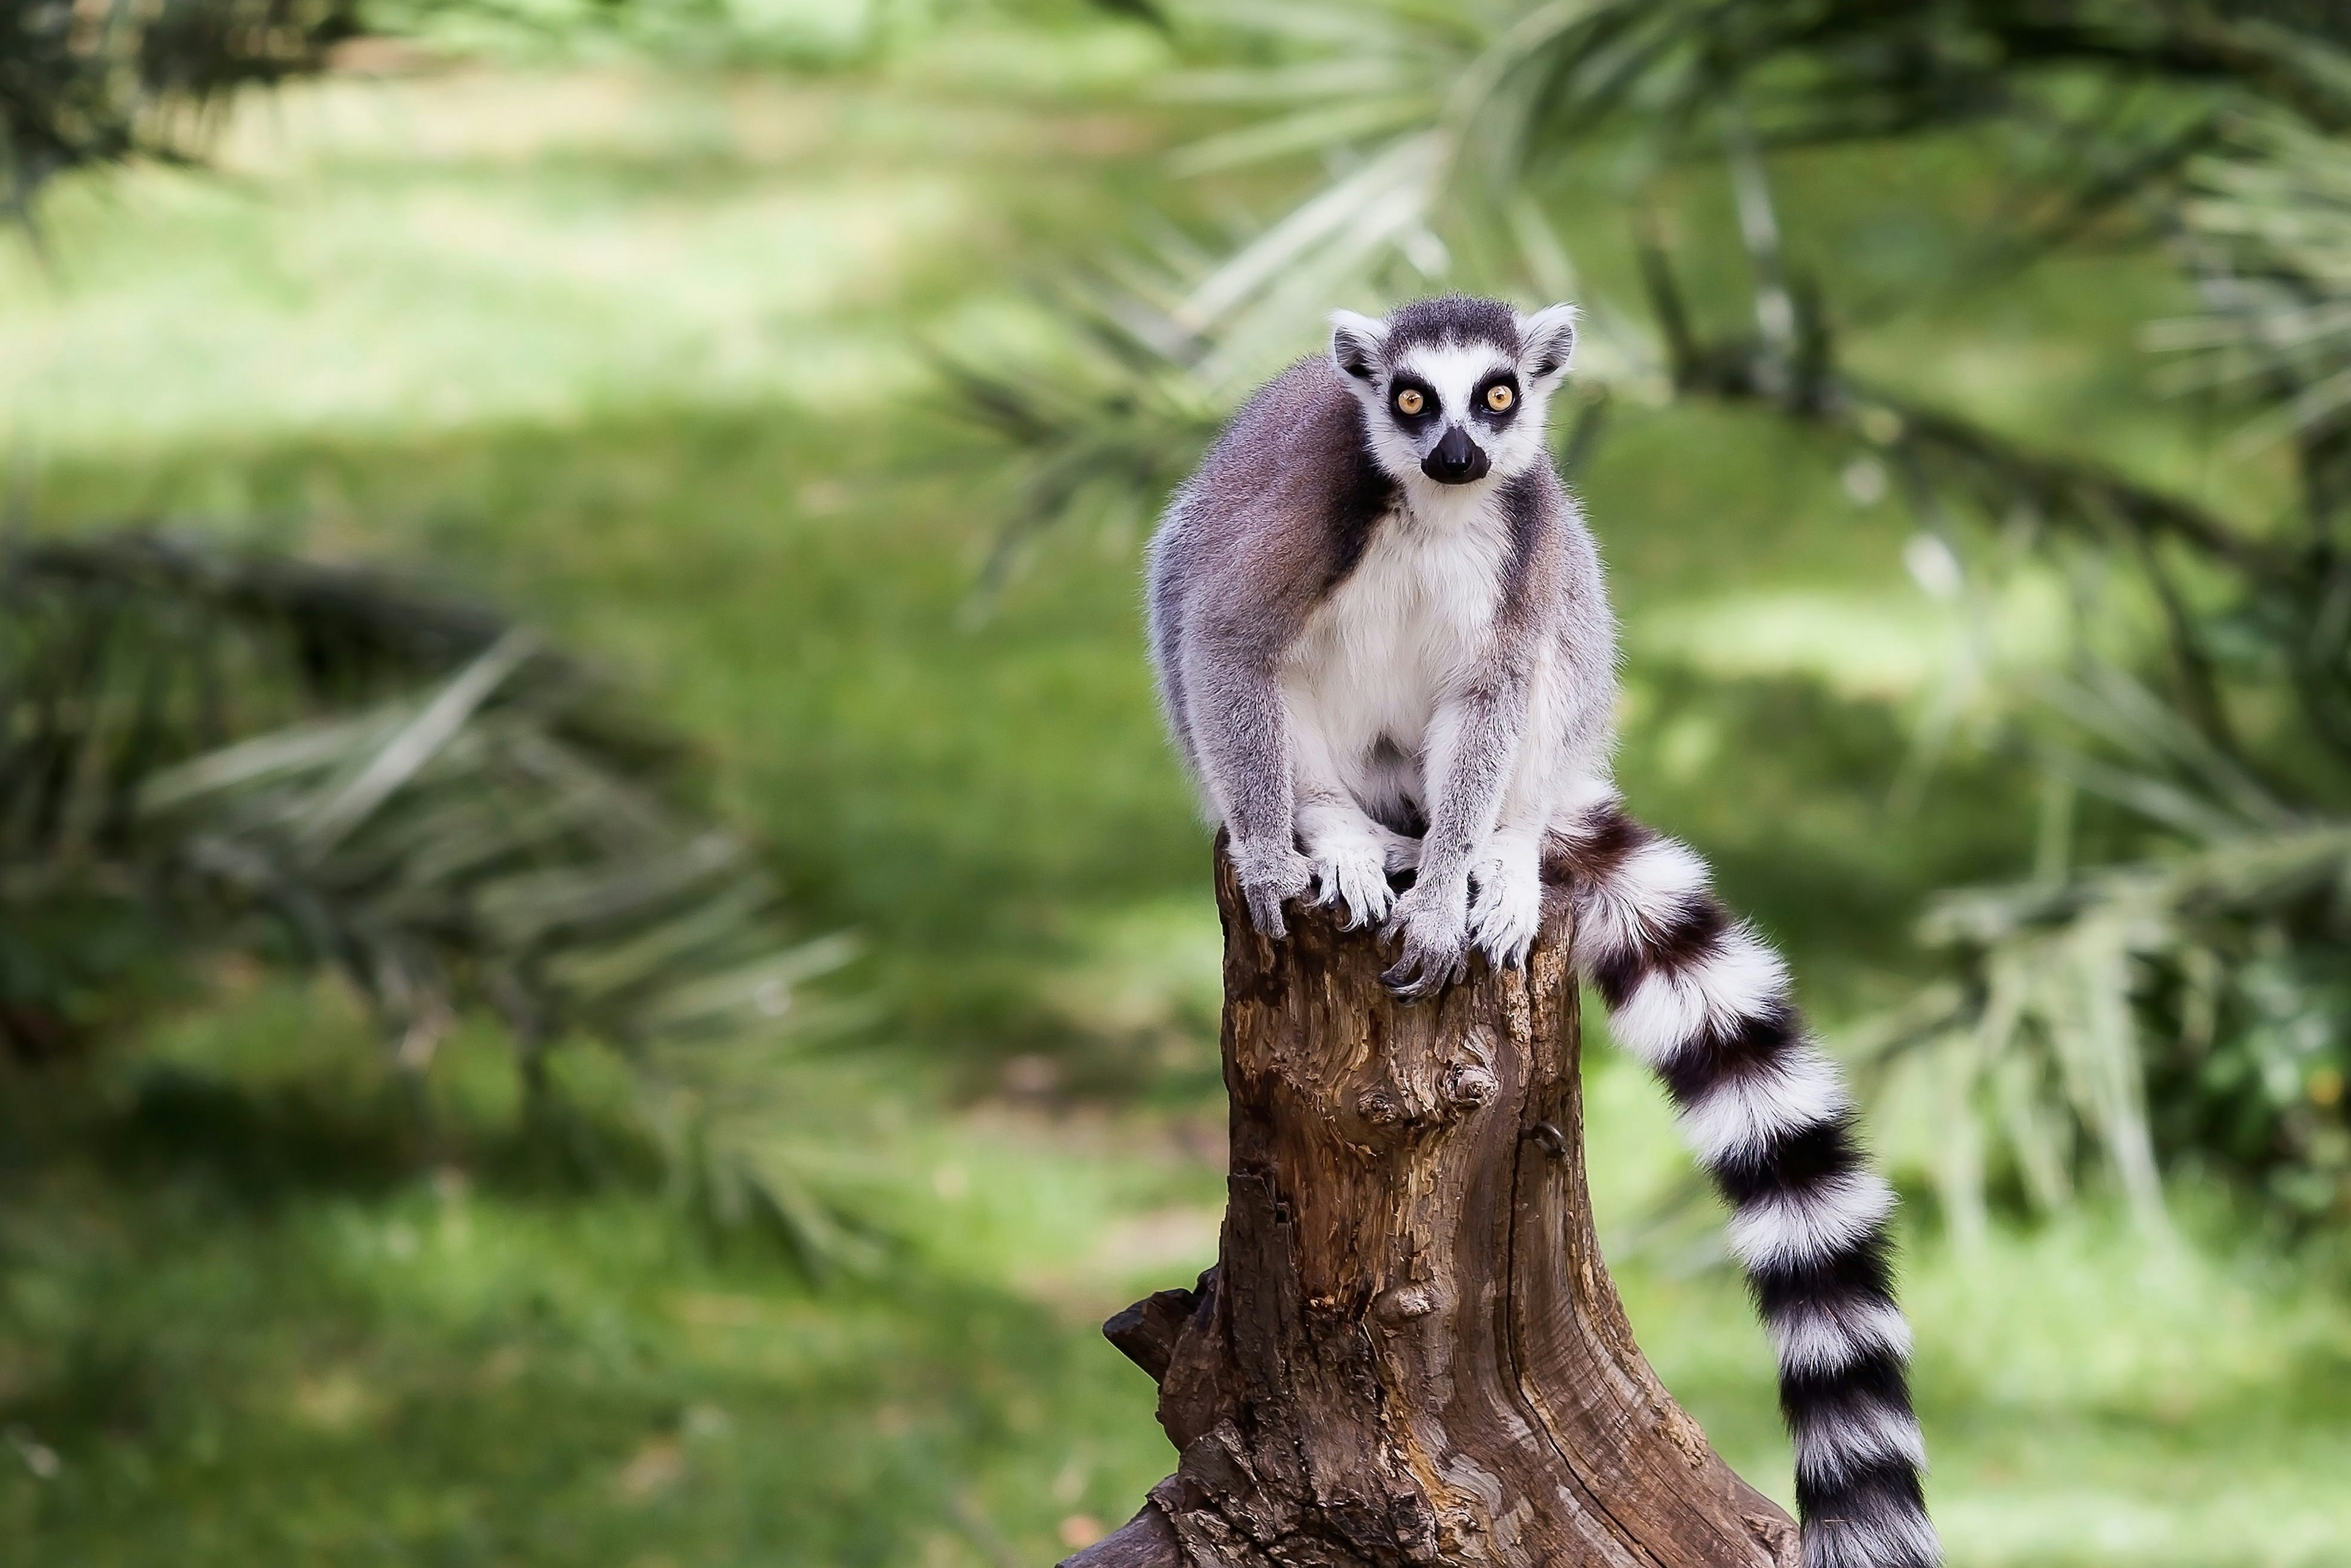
1384	642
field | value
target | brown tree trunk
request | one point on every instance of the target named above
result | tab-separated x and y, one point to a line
1409	1350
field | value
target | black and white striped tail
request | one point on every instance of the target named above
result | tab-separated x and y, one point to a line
1705	1001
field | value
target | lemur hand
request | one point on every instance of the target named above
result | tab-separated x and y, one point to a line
1270	874
1431	924
1506	908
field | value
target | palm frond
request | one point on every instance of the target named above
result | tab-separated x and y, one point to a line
1114	421
320	762
2266	232
2214	975
1434	119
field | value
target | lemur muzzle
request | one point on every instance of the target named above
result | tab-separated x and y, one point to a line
1455	460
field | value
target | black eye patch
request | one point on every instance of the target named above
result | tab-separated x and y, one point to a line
1412	400
1496	401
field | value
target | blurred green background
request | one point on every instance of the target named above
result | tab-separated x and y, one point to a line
690	337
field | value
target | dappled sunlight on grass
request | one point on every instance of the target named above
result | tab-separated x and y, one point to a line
387	1348
426	254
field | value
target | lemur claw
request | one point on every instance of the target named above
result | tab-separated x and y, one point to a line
1265	913
1435	951
1268	882
1420	986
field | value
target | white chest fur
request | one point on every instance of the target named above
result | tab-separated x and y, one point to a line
1380	657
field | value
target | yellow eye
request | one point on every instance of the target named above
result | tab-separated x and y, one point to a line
1500	398
1410	401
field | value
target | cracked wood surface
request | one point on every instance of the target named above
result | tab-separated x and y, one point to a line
1409	1350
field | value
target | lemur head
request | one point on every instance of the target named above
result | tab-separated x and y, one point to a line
1454	390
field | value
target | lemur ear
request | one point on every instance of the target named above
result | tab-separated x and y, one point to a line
1547	342
1355	343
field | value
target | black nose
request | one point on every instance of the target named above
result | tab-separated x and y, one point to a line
1455	460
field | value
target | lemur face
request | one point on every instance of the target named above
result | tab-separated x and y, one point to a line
1454	391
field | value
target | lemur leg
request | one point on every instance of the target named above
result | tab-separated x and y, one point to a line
1473	750
1348	851
1506	877
1240	724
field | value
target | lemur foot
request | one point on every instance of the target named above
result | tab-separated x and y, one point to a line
1350	870
1506	902
1270	875
1356	881
1432	926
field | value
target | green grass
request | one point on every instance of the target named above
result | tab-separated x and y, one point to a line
644	355
256	1321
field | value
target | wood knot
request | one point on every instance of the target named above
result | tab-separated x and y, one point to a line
1409	1301
1779	1536
1413	1524
1378	1107
1467	1085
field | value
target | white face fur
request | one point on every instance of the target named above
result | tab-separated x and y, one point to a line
1453	415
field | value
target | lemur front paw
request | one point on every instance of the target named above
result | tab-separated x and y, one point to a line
1270	875
1431	925
1506	901
1350	870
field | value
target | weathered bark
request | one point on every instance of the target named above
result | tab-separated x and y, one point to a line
1409	1350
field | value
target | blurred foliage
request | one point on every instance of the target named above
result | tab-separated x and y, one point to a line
95	84
85	84
2164	989
1115	425
208	750
793	34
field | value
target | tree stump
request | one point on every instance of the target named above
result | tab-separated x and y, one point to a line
1409	1349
